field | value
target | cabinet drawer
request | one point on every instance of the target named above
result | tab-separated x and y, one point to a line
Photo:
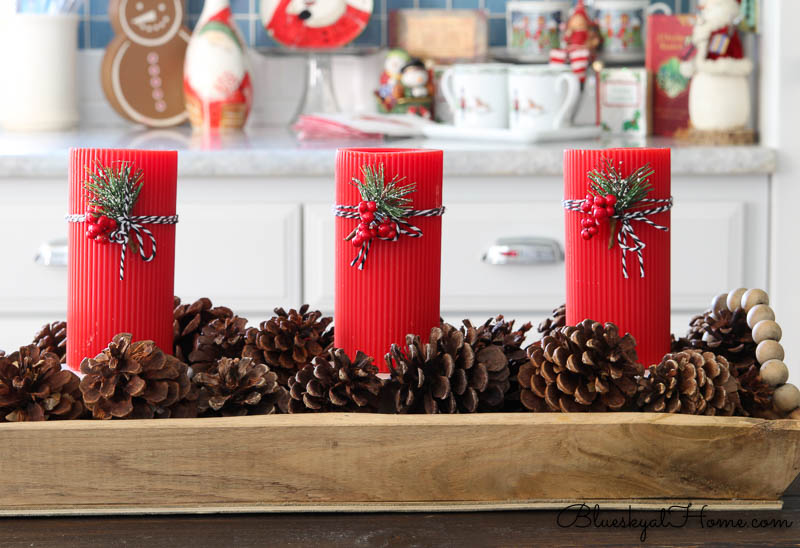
707	255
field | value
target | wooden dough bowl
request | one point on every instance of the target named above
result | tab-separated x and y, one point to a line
369	462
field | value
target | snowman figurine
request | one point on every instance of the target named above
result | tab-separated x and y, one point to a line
143	64
393	65
719	96
415	80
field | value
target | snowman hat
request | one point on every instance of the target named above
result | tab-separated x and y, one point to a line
413	63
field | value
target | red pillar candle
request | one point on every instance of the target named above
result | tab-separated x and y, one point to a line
100	304
596	286
397	290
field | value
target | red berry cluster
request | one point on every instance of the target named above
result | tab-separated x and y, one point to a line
599	208
99	227
367	229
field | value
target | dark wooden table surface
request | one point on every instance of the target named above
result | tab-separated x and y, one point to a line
513	529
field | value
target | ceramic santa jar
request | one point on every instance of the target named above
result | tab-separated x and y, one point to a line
719	96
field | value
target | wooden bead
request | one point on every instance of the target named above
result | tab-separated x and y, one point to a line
795	415
767	330
735	299
786	398
774	372
719	304
758	313
769	350
754	297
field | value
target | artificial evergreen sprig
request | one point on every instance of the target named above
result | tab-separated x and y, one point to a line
113	192
390	198
628	191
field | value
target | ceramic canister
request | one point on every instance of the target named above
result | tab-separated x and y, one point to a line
533	27
477	94
542	97
622	24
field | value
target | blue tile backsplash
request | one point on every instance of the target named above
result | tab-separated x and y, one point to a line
95	29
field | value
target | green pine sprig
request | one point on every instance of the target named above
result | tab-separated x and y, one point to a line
391	198
629	190
113	191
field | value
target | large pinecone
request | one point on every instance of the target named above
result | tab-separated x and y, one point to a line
52	337
336	383
496	335
588	367
136	380
289	341
689	382
33	387
239	387
199	343
444	375
727	335
556	321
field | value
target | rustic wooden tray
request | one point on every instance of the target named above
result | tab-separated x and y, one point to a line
365	462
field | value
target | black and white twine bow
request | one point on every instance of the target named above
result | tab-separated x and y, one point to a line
133	224
401	227
626	231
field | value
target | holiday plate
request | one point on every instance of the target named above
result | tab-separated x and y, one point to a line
446	131
372	462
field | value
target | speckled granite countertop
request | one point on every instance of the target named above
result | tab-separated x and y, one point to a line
274	152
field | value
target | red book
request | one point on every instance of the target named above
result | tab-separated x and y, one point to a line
666	44
100	304
397	291
596	286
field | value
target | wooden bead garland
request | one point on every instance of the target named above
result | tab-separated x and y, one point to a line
767	335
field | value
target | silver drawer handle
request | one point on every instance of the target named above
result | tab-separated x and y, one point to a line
524	251
52	253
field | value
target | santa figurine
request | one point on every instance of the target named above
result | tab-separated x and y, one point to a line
581	40
719	94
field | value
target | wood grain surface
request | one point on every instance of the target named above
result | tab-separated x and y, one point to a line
378	462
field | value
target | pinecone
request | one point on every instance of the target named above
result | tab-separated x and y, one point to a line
136	380
588	367
239	387
221	338
189	321
689	382
33	387
556	321
488	341
289	341
728	336
336	383
445	375
755	395
52	337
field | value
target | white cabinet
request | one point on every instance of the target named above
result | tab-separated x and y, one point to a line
254	244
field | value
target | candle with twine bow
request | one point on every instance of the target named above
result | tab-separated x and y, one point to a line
617	242
121	238
388	247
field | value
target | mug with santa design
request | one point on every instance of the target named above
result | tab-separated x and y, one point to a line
477	94
533	28
542	97
622	27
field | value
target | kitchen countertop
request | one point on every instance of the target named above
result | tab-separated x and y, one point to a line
275	152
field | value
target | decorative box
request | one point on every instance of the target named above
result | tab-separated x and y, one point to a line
666	39
440	35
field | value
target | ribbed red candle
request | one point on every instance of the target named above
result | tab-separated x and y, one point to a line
397	292
596	288
100	305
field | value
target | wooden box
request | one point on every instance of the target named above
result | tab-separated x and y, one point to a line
366	462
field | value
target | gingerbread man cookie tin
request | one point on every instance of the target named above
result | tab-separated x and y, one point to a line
142	71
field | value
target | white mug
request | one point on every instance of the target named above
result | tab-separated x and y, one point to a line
477	94
542	97
534	27
622	26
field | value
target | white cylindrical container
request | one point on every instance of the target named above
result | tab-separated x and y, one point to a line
38	55
719	102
